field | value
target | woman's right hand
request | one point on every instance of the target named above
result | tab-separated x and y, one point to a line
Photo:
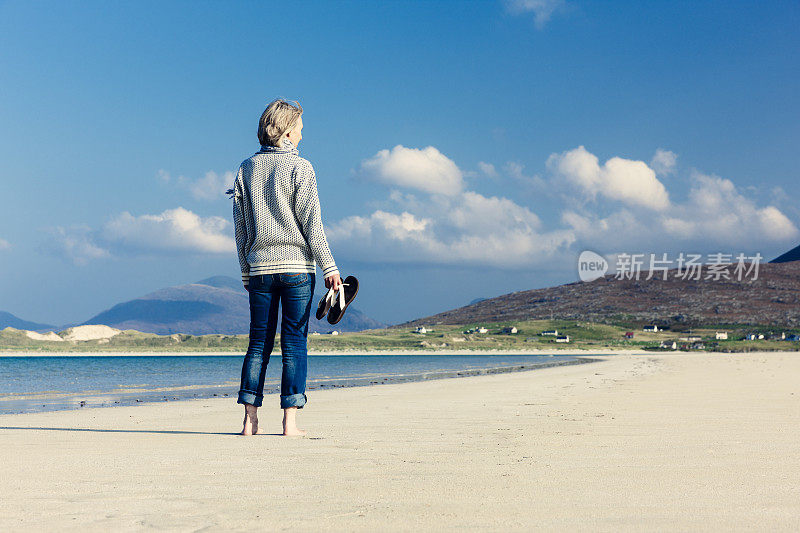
333	282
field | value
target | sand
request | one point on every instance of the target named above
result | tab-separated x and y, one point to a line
678	442
49	336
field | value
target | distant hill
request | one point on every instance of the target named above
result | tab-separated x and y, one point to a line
772	299
213	305
222	282
791	255
8	320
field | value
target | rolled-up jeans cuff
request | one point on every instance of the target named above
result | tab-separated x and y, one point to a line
294	400
245	396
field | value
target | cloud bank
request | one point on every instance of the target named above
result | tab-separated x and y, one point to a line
468	229
174	231
445	224
714	214
430	215
623	206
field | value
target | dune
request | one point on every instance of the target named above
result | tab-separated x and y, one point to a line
89	333
49	336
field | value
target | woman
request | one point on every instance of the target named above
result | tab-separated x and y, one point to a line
279	236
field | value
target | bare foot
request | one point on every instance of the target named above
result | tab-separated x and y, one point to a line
250	425
294	432
251	428
290	423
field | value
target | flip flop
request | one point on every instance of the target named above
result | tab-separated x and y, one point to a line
324	304
346	294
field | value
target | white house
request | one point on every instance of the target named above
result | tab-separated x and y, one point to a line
669	345
334	332
721	335
482	330
562	338
550	332
510	330
652	328
421	329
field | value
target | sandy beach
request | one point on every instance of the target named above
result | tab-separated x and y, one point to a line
675	441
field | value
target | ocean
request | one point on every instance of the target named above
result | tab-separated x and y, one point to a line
30	384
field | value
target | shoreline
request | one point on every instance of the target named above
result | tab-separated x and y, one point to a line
573	352
66	401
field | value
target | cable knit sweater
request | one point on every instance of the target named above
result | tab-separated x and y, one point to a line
277	216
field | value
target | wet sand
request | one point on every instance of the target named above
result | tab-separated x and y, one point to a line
630	442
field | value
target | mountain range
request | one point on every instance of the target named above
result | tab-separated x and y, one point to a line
214	305
7	320
219	304
791	255
773	298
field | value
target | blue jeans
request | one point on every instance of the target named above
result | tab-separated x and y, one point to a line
294	291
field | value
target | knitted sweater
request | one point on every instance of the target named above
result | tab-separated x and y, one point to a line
277	216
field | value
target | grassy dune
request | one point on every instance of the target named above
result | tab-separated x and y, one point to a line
583	336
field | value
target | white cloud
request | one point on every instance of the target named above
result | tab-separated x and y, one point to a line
463	229
715	214
211	186
488	169
4	244
542	9
424	169
174	230
76	243
663	162
718	212
715	211
630	210
775	225
480	214
625	180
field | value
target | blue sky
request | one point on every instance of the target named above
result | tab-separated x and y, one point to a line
463	149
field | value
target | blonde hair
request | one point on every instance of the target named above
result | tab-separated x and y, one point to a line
278	118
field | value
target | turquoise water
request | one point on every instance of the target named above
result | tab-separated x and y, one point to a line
29	384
